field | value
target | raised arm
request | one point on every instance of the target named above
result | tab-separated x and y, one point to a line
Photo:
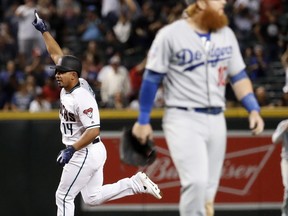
52	46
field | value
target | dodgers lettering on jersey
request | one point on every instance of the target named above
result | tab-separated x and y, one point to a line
219	54
78	112
196	71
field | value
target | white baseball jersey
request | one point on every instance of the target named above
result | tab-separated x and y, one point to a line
78	112
196	72
86	85
84	172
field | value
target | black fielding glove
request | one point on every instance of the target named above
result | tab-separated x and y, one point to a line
132	152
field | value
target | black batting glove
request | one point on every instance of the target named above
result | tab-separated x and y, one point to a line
65	155
39	24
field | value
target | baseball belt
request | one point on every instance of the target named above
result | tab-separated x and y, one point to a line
96	140
206	110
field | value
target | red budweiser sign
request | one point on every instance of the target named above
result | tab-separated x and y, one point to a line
250	176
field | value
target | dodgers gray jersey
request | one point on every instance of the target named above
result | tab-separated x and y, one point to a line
78	112
196	72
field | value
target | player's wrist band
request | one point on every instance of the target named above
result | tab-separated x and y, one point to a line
250	103
144	118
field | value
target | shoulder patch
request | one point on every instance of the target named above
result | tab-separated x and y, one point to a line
88	112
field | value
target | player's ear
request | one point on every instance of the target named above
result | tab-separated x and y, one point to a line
202	4
75	74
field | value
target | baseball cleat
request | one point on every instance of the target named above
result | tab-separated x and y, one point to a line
149	186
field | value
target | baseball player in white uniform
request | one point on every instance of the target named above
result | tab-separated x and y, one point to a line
84	157
281	135
194	58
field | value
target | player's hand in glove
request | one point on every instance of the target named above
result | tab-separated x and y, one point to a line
256	122
65	155
142	132
39	24
133	152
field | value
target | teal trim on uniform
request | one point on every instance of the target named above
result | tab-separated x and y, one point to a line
92	126
74	181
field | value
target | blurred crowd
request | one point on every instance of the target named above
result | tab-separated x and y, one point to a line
112	38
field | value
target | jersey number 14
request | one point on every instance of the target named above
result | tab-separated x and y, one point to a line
67	128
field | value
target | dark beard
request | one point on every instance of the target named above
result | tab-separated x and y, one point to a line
210	20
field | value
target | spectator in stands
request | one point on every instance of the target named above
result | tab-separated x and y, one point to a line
36	67
122	28
115	84
21	99
135	74
8	48
270	33
257	66
175	13
92	47
283	100
32	87
262	97
70	13
248	54
110	45
9	70
10	17
51	92
146	25
48	11
284	61
111	10
68	8
270	8
28	37
10	77
92	28
39	103
246	14
91	65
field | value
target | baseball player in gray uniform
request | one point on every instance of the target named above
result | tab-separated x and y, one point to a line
281	135
194	57
84	157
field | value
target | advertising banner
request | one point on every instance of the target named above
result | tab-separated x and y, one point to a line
251	177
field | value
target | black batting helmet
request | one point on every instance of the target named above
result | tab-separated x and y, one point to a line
68	63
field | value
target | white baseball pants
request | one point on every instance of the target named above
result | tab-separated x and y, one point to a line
84	173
